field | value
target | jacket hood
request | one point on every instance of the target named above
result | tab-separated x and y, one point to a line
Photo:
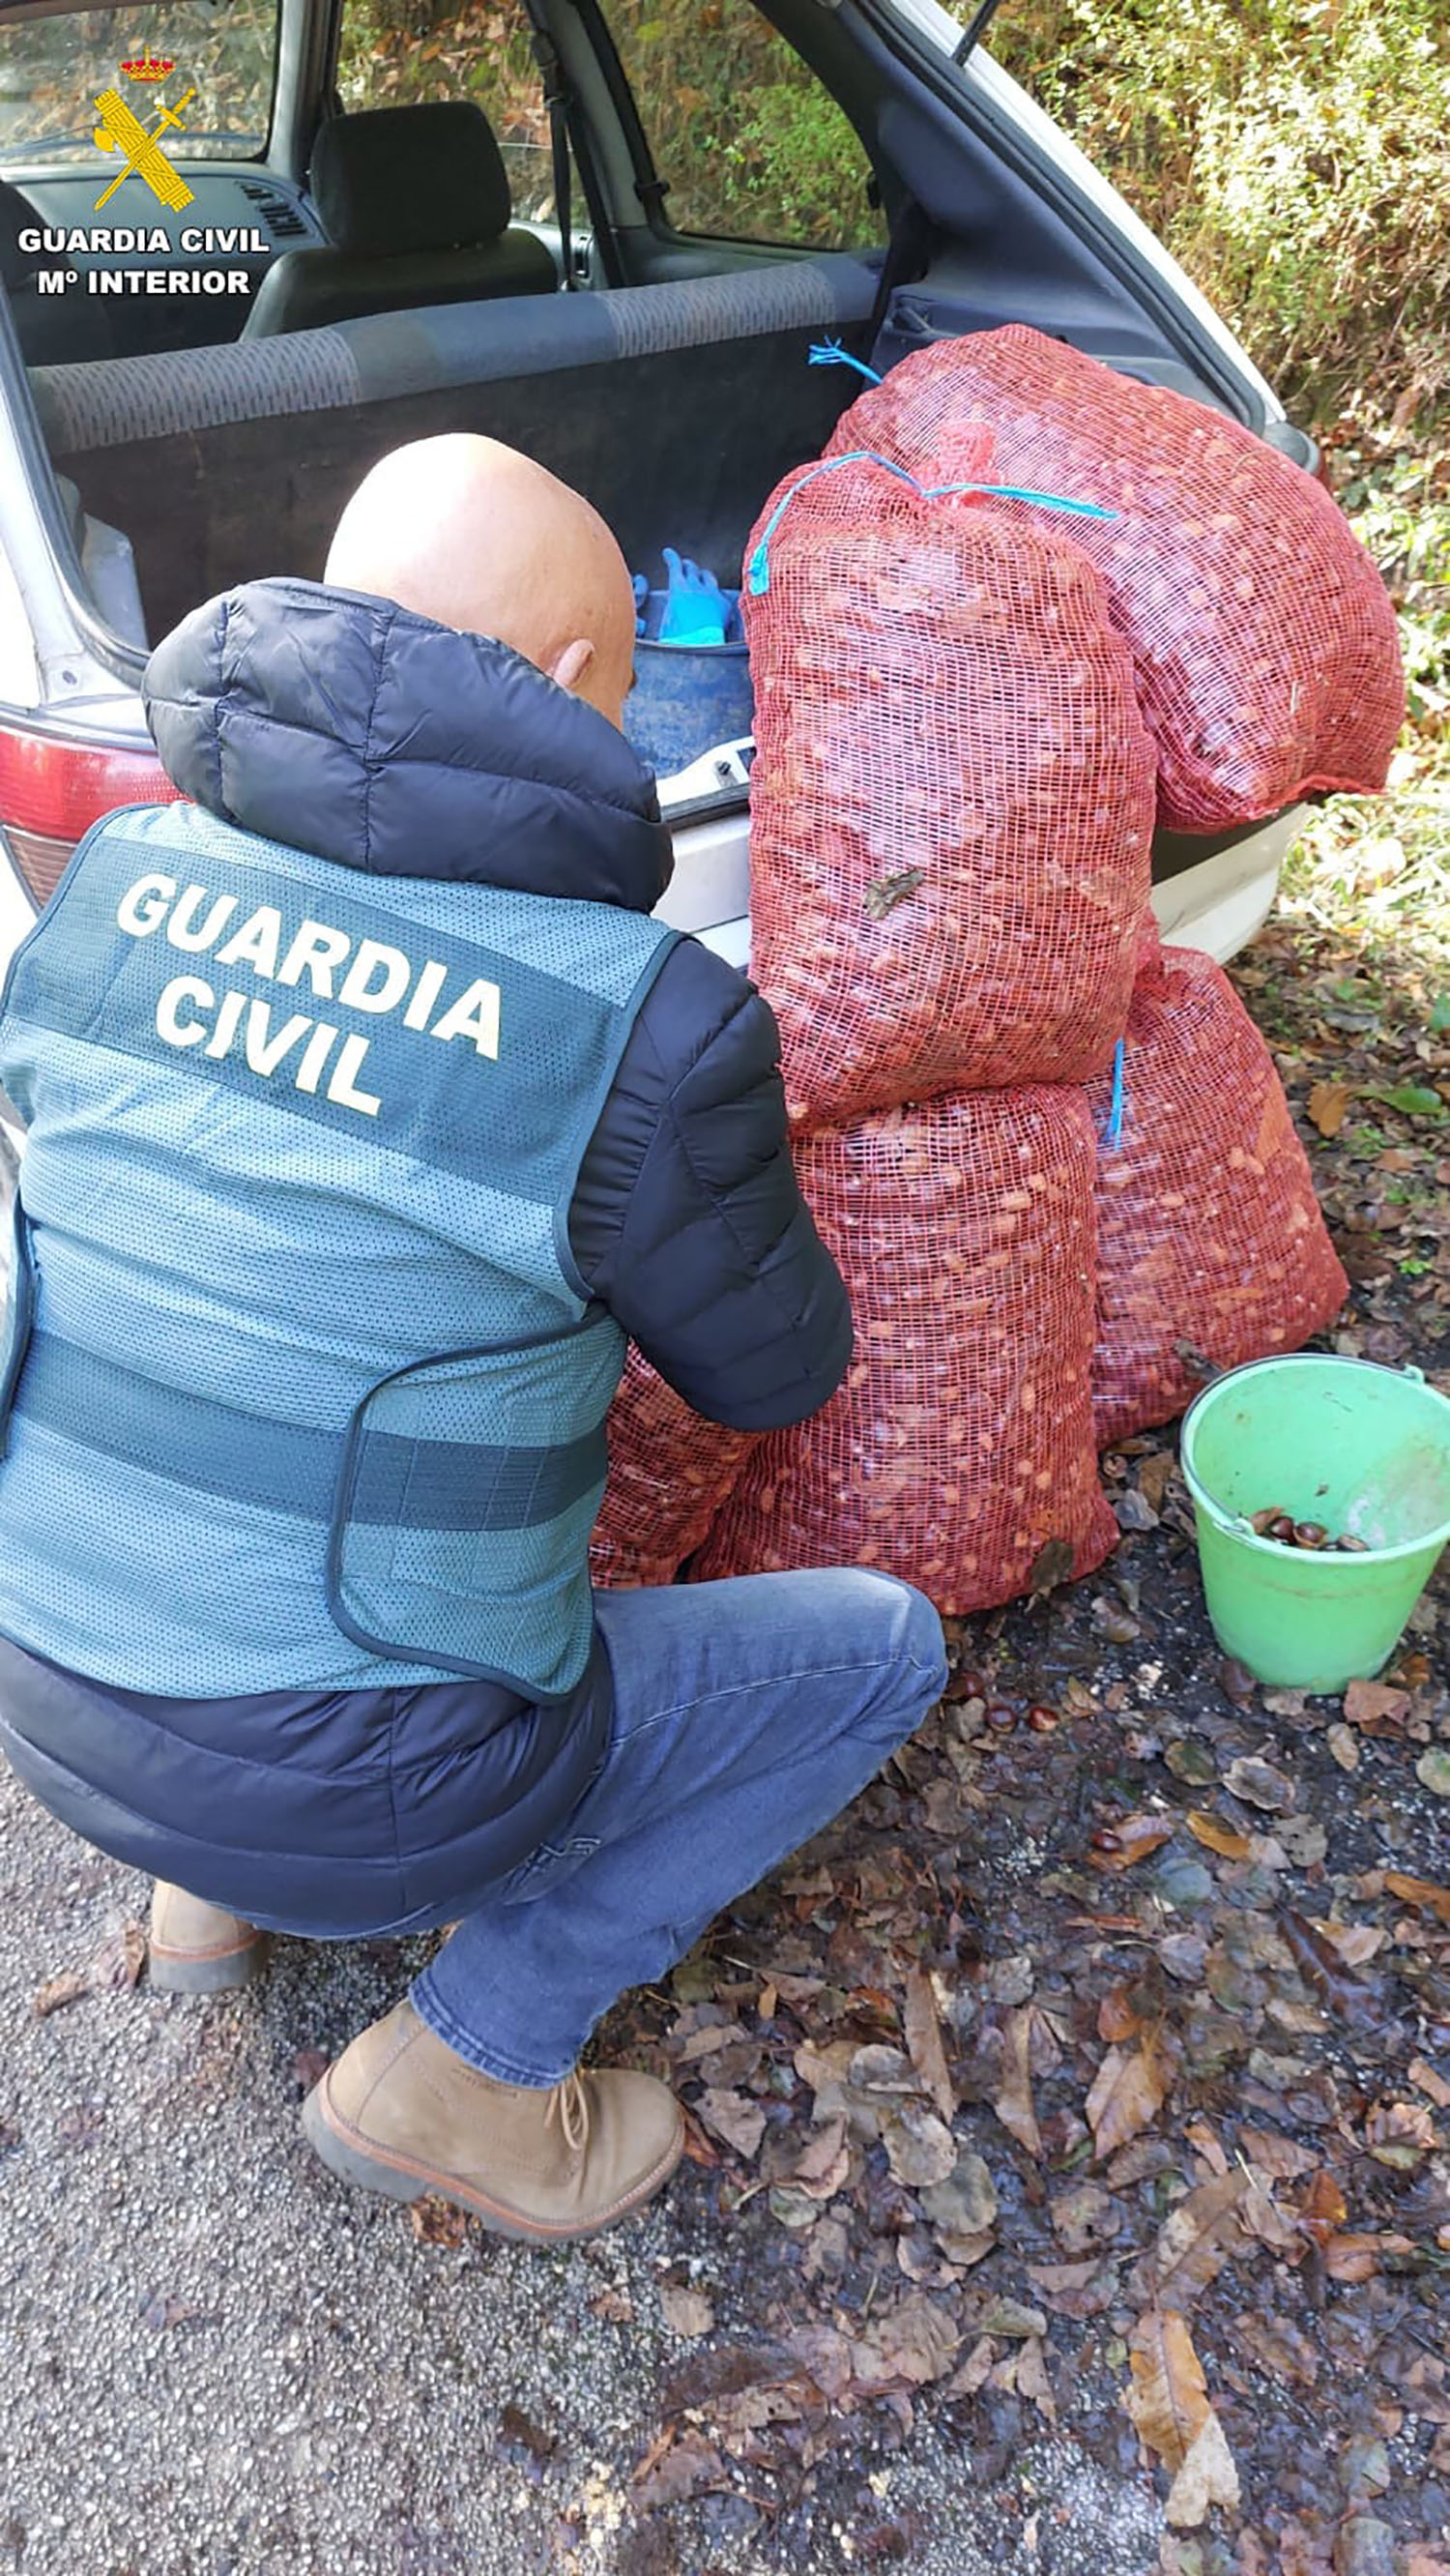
349	727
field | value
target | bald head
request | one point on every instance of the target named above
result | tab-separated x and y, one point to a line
476	536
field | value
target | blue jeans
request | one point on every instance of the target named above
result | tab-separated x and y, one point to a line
746	1715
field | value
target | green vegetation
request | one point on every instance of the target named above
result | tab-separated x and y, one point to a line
1291	153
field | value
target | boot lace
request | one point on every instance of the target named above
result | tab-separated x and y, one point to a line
569	2105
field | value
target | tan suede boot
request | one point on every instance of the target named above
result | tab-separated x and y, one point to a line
196	1949
402	2114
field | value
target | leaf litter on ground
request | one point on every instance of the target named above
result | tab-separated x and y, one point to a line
1107	2055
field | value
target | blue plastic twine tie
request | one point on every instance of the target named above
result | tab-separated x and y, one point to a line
829	353
757	577
1114	1135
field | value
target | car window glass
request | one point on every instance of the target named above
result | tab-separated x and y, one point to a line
747	139
52	70
400	53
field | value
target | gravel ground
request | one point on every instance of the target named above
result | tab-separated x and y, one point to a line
215	2361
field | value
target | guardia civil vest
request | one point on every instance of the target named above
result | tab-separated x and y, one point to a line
299	1382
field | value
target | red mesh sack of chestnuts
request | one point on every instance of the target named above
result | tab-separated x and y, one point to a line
961	1442
669	1472
1210	1239
1266	648
952	798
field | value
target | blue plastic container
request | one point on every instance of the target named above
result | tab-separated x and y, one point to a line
686	697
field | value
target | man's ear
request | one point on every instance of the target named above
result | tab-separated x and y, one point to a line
572	664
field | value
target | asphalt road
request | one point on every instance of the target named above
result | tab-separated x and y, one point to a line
215	2361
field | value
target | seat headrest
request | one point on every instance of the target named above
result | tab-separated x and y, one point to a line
401	179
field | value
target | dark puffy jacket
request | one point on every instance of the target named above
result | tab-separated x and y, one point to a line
687	1223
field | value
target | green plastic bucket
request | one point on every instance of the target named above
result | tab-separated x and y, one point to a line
1366	1451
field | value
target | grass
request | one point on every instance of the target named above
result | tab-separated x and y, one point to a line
1377	868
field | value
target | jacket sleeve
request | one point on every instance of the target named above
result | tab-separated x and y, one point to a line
687	1219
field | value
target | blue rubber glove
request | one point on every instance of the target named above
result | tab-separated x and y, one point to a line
696	608
641	601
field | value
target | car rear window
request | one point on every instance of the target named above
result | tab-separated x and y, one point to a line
53	68
401	53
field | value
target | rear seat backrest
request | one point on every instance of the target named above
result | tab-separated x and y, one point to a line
692	398
416	206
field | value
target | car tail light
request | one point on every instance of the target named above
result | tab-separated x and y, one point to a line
54	786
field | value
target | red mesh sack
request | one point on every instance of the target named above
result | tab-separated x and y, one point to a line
962	1439
1209	1232
1267	652
669	1472
952	797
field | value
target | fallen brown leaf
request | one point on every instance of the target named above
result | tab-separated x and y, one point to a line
1168	2402
1258	1784
975	2370
1129	1839
1154	1474
1168	2394
1196	2240
1013	2103
1118	2016
1373	1704
1322	2210
907	2346
1216	1836
921	2029
1077	2290
120	1959
685	2312
920	2148
1317	1960
436	2221
962	2209
1400	2135
1030	2379
826	2162
1085	2215
1327	1104
1280	2158
1207	2477
1128	2091
1422	2074
733	2117
1356	2257
1419	1891
59	1991
616	2307
675	2469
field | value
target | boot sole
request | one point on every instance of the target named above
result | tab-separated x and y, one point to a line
356	2159
177	1973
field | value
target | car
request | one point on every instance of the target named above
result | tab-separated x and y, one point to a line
243	261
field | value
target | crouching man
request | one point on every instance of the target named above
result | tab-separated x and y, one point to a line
369	1112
